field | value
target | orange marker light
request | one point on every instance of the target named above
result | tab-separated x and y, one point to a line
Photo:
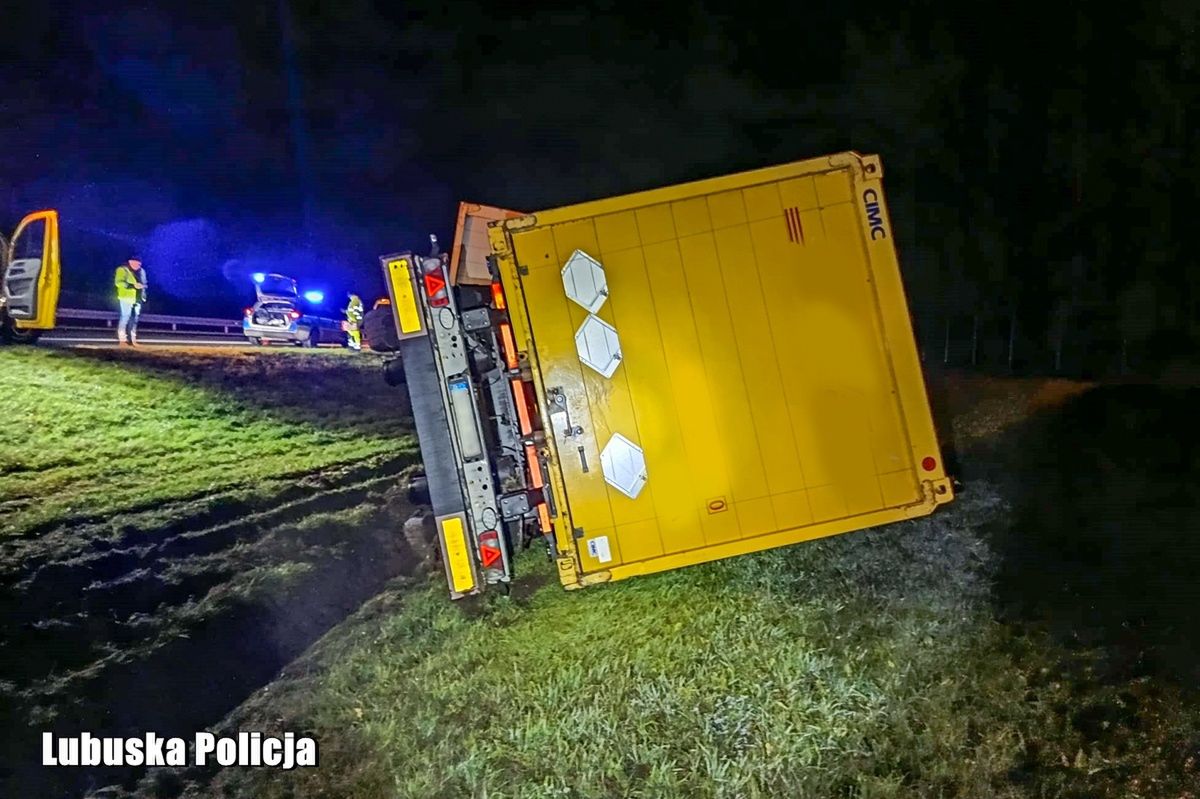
518	389
535	466
498	296
509	346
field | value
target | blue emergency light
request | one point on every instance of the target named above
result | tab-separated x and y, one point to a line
314	296
258	277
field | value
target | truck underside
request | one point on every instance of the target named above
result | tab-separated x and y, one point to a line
478	427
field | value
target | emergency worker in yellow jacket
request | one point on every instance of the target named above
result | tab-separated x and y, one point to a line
130	281
354	317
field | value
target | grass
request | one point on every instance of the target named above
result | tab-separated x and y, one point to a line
181	523
877	664
90	434
763	676
889	663
834	669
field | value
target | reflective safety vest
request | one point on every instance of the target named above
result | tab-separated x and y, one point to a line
354	311
126	280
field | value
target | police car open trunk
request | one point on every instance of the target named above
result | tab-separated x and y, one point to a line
669	377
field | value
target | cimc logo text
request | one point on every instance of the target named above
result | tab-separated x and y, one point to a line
874	214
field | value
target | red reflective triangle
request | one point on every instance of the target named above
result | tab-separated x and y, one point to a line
433	284
490	555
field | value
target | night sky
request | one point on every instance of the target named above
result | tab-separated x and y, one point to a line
1032	154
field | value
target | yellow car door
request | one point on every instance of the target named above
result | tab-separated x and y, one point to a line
32	273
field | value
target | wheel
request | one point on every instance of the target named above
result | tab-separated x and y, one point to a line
418	490
312	339
255	341
12	334
393	372
379	330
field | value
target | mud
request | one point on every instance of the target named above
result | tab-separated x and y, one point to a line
167	628
294	494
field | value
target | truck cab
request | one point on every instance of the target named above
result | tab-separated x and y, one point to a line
30	277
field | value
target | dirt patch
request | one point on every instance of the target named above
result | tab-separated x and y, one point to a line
528	585
54	614
169	629
281	495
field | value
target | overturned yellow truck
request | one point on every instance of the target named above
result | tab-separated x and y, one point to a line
666	378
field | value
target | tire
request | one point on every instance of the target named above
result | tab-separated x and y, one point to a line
393	372
11	334
418	490
312	339
379	330
255	341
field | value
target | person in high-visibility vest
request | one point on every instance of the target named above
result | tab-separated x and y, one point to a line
130	282
354	317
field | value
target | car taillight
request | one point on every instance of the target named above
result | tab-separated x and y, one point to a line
294	314
433	278
248	312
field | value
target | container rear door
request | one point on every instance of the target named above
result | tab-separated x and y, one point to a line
723	361
468	258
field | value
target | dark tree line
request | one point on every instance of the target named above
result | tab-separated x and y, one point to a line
1039	157
1042	174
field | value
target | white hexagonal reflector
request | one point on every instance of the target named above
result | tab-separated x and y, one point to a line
584	281
598	345
624	465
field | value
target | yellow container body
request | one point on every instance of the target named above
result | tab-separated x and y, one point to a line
767	370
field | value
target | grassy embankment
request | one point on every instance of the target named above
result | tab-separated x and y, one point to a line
89	434
888	663
176	526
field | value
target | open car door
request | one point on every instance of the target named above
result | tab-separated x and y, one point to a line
31	274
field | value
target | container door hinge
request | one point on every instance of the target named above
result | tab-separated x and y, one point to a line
568	575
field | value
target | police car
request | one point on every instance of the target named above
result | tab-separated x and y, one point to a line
280	315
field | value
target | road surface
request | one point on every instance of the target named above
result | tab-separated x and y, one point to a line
100	337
